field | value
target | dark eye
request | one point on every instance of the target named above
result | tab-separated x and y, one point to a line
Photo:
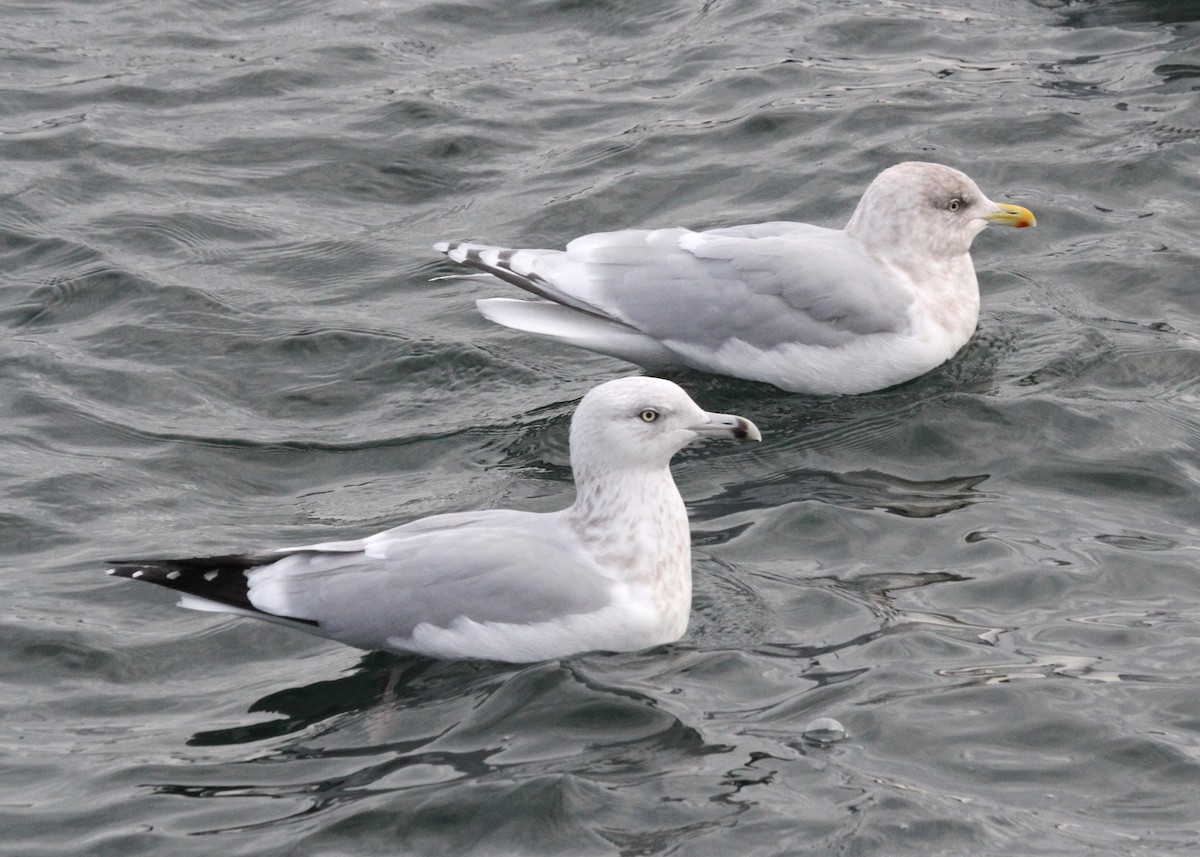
954	204
648	415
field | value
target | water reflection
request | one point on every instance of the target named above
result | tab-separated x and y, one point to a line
377	678
408	725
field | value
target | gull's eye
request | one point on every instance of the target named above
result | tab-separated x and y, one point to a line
954	205
648	415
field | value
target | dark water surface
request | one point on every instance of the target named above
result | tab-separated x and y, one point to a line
220	330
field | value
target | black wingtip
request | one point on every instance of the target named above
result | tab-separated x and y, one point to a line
218	578
222	579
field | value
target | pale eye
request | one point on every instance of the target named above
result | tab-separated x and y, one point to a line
648	415
954	205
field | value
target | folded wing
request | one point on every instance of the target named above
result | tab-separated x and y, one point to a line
483	566
766	284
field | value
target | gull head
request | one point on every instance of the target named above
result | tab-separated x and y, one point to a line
642	422
928	210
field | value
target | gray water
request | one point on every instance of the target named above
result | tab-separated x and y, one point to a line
221	330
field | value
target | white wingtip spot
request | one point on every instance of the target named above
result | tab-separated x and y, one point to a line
111	571
137	574
172	575
442	246
210	576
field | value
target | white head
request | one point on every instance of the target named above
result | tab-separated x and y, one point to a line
642	422
931	209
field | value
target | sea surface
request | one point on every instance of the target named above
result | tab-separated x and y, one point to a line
222	327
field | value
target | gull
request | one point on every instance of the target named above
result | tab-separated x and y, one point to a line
611	572
808	309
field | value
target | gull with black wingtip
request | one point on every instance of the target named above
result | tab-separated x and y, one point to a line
611	572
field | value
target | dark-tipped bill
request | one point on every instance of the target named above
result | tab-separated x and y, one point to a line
728	425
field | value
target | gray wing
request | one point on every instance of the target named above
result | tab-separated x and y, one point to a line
766	284
496	566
